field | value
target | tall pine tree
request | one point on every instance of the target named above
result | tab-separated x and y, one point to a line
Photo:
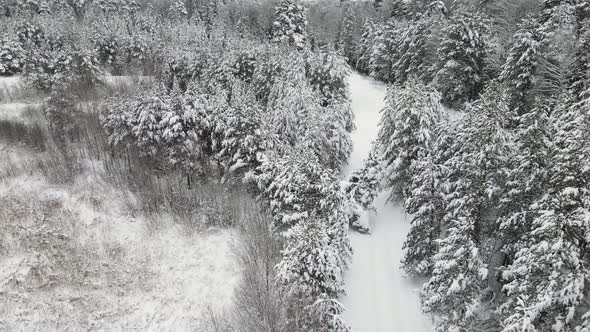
461	58
407	125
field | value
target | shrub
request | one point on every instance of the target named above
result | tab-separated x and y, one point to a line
62	112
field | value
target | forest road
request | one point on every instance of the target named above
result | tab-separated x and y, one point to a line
378	297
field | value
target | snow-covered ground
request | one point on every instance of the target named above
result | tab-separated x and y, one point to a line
80	257
378	296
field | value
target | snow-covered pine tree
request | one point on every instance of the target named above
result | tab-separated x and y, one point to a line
425	204
289	24
79	7
452	293
240	137
422	8
364	183
327	73
518	72
407	124
346	42
547	278
289	102
384	51
327	137
411	57
461	58
476	174
363	186
310	212
526	182
366	45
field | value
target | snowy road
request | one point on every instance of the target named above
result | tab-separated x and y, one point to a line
378	297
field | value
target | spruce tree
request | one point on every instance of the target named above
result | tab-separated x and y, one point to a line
411	57
424	203
407	125
475	182
518	72
547	278
345	42
461	59
289	24
365	48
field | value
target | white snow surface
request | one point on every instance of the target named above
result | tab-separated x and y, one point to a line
132	278
378	296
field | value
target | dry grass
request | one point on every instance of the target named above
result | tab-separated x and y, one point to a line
76	257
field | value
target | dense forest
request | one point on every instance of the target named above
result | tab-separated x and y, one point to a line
193	106
484	138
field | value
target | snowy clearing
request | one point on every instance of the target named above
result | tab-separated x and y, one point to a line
79	259
378	297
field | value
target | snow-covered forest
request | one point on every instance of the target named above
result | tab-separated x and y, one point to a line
290	165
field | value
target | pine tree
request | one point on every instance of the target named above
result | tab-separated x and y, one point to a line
461	59
452	293
547	278
362	187
366	46
289	25
518	72
475	180
345	42
407	125
310	212
425	204
384	52
411	57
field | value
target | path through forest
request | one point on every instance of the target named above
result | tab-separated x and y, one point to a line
378	297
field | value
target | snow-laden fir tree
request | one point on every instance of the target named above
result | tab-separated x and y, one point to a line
289	101
452	293
363	186
518	72
289	24
310	212
384	51
346	41
526	179
327	137
547	278
412	54
474	182
365	48
526	182
407	125
425	204
327	73
399	9
461	58
240	137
